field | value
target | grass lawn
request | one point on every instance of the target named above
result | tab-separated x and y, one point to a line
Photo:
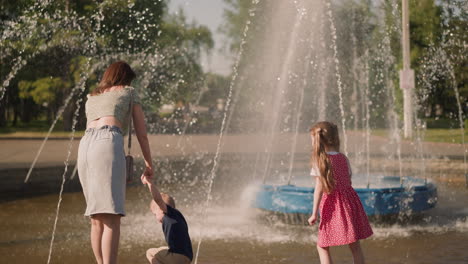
38	129
433	135
38	134
35	129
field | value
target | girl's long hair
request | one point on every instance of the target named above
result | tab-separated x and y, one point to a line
117	74
324	134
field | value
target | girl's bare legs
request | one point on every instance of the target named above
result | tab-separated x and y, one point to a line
324	255
110	235
356	250
96	237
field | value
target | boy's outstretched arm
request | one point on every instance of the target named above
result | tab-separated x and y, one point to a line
155	193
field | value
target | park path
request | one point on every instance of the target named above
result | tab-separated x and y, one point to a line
20	153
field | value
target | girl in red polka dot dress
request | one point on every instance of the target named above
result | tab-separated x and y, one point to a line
342	217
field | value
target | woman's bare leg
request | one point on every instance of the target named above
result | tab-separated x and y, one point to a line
96	236
356	250
324	255
110	236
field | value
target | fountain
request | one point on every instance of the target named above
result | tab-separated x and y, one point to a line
384	195
314	61
381	193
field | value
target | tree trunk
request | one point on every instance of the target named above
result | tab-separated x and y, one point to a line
27	110
15	116
2	114
68	117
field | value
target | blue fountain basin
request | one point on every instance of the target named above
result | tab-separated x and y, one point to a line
415	195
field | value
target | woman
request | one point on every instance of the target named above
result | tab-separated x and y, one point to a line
101	158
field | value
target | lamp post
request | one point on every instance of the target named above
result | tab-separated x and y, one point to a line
406	74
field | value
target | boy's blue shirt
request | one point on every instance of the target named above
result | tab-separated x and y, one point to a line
175	230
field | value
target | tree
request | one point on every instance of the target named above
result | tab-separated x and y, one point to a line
217	87
438	55
235	17
54	46
439	58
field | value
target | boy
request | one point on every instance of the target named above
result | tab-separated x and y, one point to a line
179	250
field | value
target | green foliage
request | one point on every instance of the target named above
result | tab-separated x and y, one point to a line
442	123
11	9
235	17
131	25
176	32
425	27
43	91
216	87
179	74
441	59
58	41
438	30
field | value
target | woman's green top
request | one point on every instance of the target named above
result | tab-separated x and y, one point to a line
113	103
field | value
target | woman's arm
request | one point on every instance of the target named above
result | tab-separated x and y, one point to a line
317	198
140	131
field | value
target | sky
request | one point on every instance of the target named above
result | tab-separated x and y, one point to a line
208	13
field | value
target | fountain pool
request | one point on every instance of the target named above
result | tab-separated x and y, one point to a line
384	195
232	231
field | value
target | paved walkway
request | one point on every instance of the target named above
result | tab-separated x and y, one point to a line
20	153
